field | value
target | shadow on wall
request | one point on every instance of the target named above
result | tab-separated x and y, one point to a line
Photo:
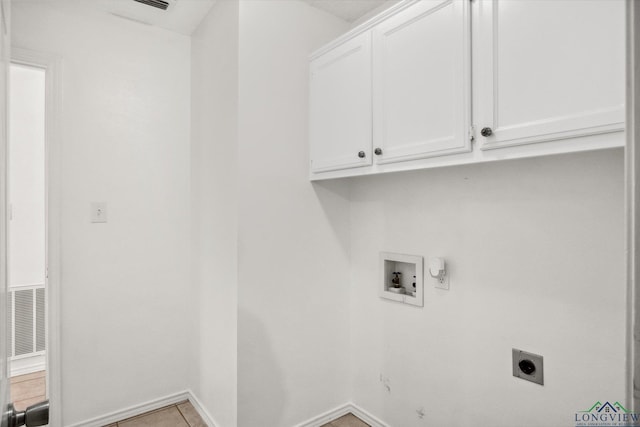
333	196
259	376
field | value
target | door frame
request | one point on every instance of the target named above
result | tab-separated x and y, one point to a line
632	204
51	64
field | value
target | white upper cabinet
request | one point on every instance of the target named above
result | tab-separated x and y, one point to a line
340	107
430	83
421	82
548	70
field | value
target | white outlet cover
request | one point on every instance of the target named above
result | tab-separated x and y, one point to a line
442	284
98	212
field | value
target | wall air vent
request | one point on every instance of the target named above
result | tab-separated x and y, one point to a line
26	322
160	4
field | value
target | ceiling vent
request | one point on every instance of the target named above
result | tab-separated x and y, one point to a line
159	4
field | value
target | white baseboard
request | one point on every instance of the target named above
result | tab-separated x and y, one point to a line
326	417
367	417
152	405
336	413
206	417
27	365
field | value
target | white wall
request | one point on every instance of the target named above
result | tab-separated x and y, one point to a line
214	123
535	246
127	331
26	177
293	317
536	254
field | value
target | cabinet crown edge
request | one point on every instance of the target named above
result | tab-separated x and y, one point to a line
365	26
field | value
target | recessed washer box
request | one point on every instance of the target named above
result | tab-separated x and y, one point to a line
398	274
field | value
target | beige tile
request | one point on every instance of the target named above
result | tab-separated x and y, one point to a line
348	420
167	417
191	415
112	425
28	389
21	405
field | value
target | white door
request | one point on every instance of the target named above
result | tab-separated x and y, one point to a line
340	107
548	70
38	414
421	75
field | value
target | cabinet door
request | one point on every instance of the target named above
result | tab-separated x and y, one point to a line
421	75
549	70
340	110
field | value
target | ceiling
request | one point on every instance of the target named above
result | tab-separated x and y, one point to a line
184	16
349	10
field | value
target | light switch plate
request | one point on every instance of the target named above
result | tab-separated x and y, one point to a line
98	212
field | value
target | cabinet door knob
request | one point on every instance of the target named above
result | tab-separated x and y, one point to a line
378	151
361	154
486	132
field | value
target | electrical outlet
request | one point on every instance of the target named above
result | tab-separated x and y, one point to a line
442	282
528	366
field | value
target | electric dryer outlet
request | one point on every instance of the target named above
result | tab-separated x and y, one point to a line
528	366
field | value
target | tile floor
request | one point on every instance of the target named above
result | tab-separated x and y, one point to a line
348	420
28	389
185	415
180	415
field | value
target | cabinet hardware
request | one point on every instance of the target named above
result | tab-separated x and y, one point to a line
361	154
486	132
